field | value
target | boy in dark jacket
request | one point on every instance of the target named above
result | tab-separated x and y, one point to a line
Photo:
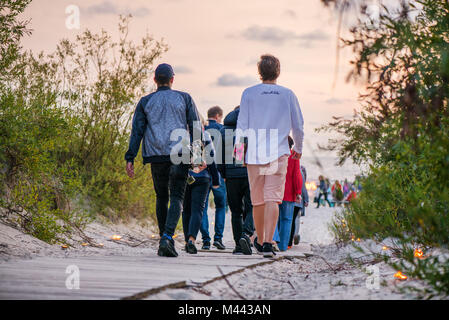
237	187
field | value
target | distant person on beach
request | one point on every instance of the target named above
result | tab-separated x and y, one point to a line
323	187
195	199
352	195
155	118
337	191
237	188
346	188
268	112
299	210
357	184
215	116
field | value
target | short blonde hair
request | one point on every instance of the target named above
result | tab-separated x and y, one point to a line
204	122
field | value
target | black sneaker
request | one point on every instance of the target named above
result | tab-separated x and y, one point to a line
245	244
258	247
167	248
237	250
296	239
219	245
268	251
206	245
191	248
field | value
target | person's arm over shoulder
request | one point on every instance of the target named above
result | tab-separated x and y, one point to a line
297	123
211	164
221	166
139	124
192	118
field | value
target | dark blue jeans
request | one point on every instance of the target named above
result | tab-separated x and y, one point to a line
169	182
194	203
239	199
220	213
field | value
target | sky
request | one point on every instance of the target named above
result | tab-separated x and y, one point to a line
214	47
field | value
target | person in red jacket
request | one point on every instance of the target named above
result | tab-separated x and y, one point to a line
352	195
292	194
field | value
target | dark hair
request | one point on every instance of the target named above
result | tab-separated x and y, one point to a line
214	111
237	107
290	142
269	67
162	80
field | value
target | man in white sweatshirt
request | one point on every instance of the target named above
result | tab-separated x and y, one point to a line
268	113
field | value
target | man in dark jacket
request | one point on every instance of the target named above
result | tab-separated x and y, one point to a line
156	116
237	186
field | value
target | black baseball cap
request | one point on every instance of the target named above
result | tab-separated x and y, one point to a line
165	70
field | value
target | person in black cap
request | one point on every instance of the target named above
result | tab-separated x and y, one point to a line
156	116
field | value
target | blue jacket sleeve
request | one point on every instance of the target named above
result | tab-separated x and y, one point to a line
138	129
304	193
212	167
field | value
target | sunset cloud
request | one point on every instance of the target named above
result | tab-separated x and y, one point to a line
182	69
277	36
337	101
232	80
290	14
109	8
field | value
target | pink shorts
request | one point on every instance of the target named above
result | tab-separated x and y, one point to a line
267	181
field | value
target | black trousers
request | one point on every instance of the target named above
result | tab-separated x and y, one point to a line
296	211
169	182
239	200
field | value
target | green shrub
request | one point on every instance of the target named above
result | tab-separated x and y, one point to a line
402	133
64	128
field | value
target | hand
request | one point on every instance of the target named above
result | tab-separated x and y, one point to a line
296	155
199	168
306	204
216	187
298	198
202	166
130	169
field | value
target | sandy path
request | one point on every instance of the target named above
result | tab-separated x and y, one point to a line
119	270
325	275
32	269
